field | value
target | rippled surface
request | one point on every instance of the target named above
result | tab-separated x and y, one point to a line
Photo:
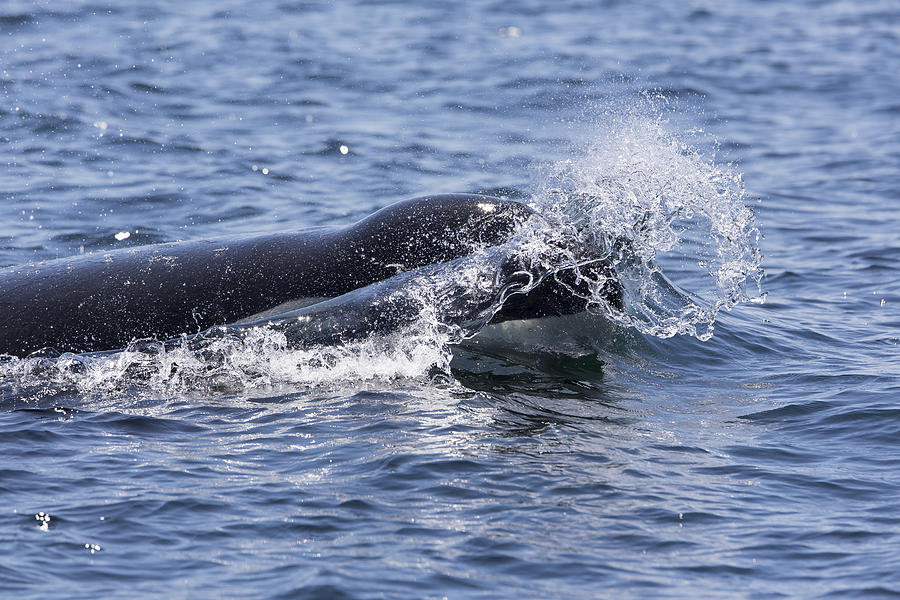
564	458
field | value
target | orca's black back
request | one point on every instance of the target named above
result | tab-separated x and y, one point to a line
105	300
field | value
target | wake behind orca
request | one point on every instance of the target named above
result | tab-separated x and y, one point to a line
104	301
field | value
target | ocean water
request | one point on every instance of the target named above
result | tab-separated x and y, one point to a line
734	432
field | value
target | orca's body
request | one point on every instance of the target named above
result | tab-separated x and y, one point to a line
105	300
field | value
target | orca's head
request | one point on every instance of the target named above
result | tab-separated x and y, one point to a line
563	293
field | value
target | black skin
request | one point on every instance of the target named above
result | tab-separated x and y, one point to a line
103	301
554	295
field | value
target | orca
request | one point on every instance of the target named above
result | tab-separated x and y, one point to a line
105	300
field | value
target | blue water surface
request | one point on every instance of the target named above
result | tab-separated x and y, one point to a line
764	462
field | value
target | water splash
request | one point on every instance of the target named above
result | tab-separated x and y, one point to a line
639	208
653	205
259	358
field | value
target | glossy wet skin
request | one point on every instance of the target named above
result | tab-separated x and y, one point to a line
562	293
103	301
